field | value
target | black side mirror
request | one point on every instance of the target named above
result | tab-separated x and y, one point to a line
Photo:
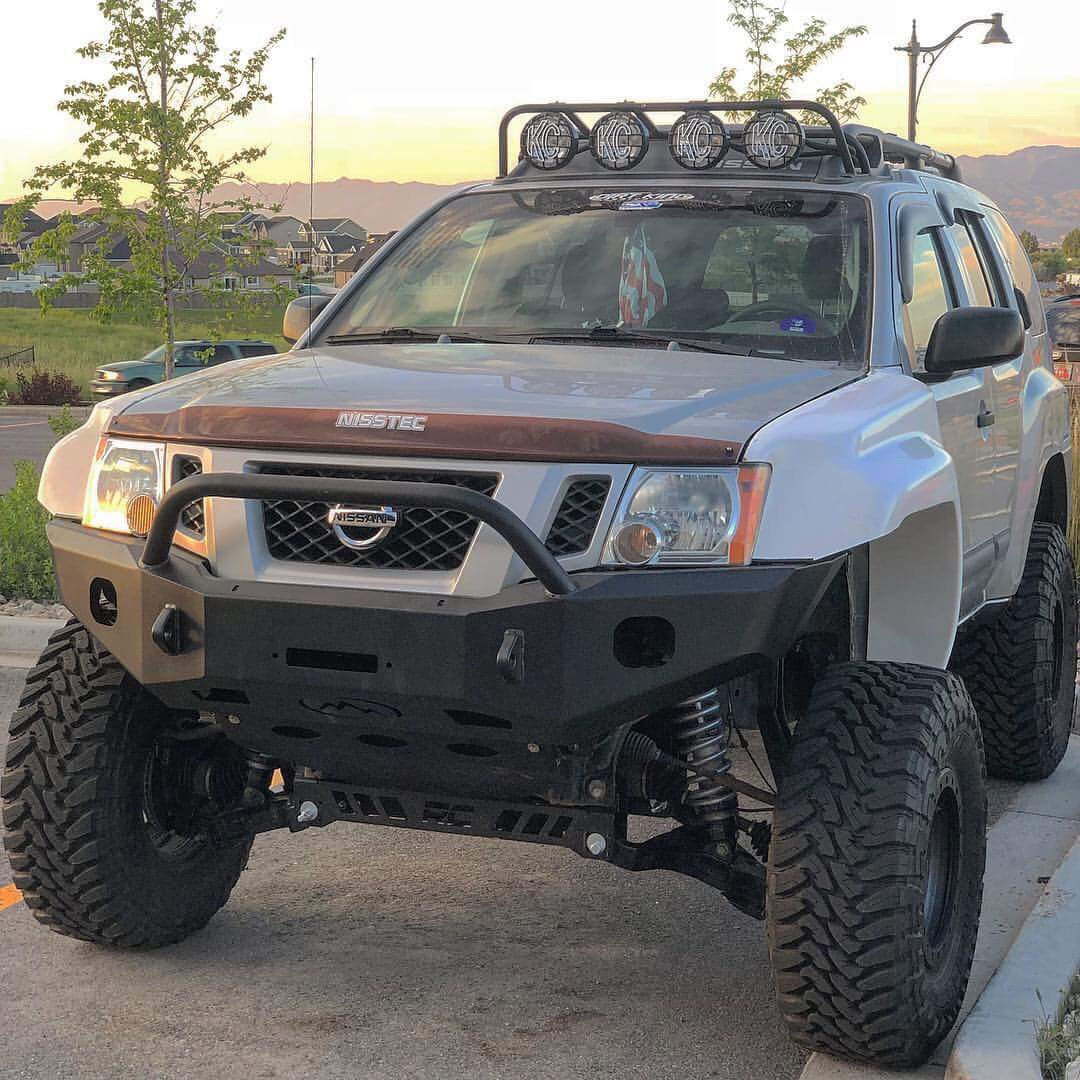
971	337
300	314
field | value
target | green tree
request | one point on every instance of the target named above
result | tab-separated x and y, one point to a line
779	66
1029	241
1048	264
145	161
1071	244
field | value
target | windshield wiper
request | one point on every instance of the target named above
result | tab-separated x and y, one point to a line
405	333
615	335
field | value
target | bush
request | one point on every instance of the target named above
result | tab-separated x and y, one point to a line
26	568
63	423
44	388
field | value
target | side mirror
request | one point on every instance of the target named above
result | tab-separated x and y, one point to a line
300	314
972	337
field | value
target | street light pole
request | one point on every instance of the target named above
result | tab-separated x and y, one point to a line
915	50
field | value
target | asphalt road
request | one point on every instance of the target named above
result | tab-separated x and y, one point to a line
25	435
369	953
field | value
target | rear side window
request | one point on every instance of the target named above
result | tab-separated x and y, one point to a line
1023	277
255	350
930	294
971	267
220	354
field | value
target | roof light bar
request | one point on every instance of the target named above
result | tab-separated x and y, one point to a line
773	138
619	140
698	140
549	140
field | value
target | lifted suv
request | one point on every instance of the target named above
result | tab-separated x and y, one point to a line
666	433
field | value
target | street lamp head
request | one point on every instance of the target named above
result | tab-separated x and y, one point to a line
996	34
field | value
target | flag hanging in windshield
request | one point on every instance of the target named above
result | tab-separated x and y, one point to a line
642	292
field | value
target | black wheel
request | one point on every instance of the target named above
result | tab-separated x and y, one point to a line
875	869
95	806
138	384
1020	669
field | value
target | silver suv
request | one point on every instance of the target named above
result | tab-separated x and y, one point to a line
669	432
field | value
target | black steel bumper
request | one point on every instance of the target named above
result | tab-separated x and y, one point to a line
335	678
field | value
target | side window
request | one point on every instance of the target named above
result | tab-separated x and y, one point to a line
187	357
220	354
1023	277
255	350
971	267
929	296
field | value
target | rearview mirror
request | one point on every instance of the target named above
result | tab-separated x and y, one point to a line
300	314
972	337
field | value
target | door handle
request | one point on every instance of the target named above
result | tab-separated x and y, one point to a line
985	418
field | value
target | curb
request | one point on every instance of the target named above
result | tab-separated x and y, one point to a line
22	637
997	1041
1036	837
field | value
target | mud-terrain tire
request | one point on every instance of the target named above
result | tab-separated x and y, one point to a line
83	851
874	883
1020	668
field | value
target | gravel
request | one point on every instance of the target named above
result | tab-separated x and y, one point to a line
33	609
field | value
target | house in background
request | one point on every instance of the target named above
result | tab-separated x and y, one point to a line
275	234
315	229
345	269
213	271
333	249
33	226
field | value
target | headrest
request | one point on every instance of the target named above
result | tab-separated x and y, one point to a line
823	267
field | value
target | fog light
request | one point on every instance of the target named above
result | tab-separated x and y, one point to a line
139	511
637	543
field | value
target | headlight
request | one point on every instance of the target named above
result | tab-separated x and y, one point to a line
121	471
688	517
109	376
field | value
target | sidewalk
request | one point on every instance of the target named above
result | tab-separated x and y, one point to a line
1025	848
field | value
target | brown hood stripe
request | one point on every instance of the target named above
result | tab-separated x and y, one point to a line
455	435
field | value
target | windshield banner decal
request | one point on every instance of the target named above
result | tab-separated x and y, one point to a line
642	292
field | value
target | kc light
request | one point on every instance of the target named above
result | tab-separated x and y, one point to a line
549	140
123	473
698	140
619	140
688	517
772	139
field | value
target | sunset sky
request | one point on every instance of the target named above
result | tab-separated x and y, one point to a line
413	91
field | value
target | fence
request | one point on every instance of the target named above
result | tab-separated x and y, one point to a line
12	357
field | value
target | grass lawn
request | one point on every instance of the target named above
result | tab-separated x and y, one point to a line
68	340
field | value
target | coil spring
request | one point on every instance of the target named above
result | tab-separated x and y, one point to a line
701	738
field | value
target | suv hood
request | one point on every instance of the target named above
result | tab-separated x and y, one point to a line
587	403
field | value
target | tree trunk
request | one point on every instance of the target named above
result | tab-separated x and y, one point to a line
170	327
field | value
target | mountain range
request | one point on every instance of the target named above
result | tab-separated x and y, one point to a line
1038	188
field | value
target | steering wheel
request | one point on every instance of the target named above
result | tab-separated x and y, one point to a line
754	312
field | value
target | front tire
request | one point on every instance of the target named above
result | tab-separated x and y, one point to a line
85	828
1020	669
875	872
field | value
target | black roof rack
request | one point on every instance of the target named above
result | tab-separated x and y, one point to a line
861	150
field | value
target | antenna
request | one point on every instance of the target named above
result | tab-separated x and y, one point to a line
311	201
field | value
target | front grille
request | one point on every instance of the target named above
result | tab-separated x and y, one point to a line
191	517
572	531
422	540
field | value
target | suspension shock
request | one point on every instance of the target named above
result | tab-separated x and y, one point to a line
701	734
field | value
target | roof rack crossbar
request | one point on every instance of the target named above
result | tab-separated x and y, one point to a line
641	108
914	155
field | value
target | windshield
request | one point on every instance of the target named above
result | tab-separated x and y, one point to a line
769	272
155	355
1064	323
